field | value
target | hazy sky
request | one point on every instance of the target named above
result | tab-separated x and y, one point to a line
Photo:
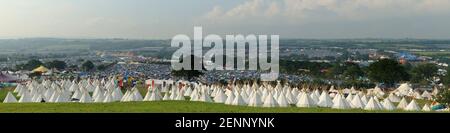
163	19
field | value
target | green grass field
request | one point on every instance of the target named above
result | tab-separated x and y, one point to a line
160	107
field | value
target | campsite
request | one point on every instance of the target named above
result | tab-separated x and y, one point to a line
103	95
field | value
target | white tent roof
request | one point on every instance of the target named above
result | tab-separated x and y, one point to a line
220	97
403	103
325	100
306	101
85	98
372	105
412	106
269	101
341	103
230	99
426	107
357	102
394	98
10	98
404	89
255	100
387	105
282	100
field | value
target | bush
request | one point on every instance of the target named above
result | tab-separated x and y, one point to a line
444	97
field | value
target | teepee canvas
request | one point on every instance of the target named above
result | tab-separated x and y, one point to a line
426	107
356	102
412	106
282	100
387	105
372	105
306	101
270	101
340	103
255	100
220	97
325	100
394	98
10	98
403	103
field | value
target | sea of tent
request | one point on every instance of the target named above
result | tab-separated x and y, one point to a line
254	95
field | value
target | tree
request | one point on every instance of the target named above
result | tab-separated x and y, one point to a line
353	71
57	64
423	73
387	71
88	65
446	78
444	97
101	67
189	74
30	65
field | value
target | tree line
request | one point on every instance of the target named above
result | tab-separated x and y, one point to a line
385	71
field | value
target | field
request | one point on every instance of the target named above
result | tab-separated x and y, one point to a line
445	54
159	107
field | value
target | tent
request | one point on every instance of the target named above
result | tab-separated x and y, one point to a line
373	105
412	106
7	78
387	104
325	100
230	98
426	95
180	96
10	98
238	100
403	103
220	97
269	101
282	100
306	101
426	107
357	102
341	103
255	100
404	89
40	69
393	98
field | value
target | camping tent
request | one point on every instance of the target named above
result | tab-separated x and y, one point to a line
404	89
40	69
7	78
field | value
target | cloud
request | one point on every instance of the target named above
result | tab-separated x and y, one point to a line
312	10
287	15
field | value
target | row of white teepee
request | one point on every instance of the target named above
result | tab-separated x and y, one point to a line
255	95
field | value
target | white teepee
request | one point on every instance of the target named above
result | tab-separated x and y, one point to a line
10	98
394	98
356	102
340	103
305	101
387	105
412	106
372	105
426	107
255	100
325	100
403	103
269	101
220	97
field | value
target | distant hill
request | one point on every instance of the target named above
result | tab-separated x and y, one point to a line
32	45
55	45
